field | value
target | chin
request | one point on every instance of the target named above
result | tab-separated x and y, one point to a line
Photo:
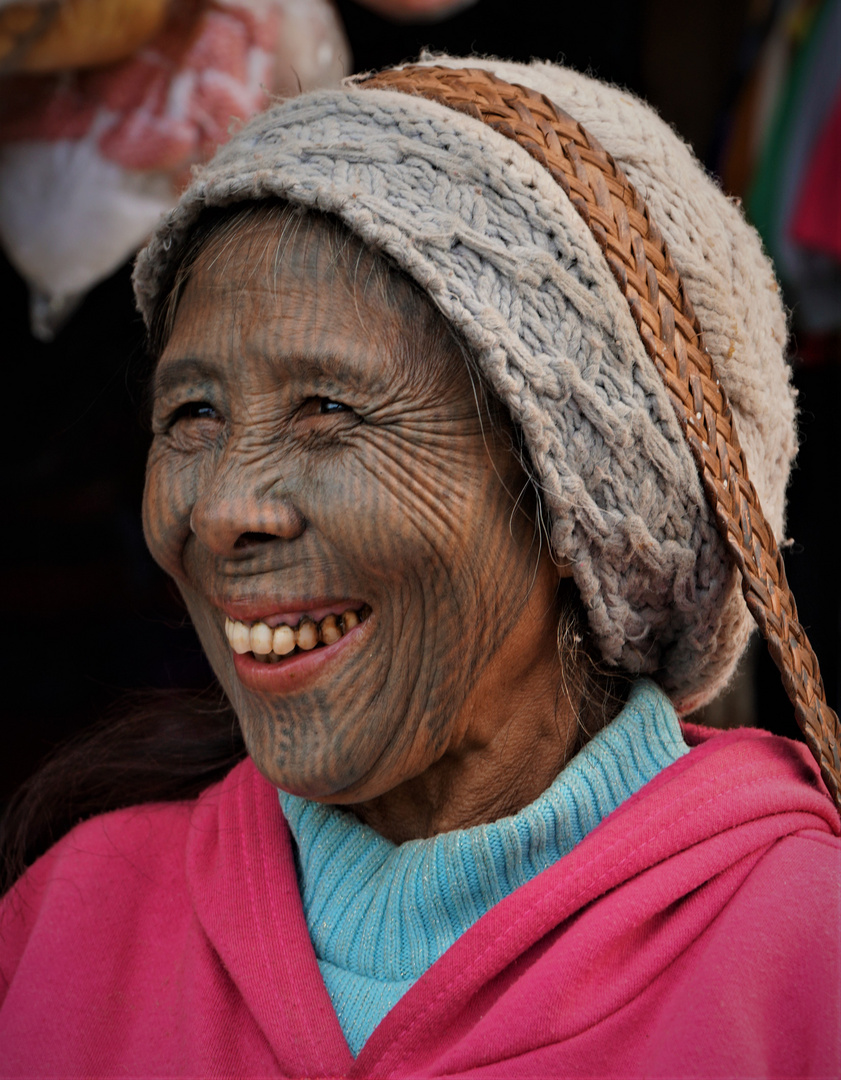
313	785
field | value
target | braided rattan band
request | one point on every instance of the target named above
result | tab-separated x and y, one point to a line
642	265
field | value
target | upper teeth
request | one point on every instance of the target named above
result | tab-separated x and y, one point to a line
264	640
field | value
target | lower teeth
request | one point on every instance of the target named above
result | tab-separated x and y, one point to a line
273	658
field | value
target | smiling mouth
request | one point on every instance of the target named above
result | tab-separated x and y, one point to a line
270	644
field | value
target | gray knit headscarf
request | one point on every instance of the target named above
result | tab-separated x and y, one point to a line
487	233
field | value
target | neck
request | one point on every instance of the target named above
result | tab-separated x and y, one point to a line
460	793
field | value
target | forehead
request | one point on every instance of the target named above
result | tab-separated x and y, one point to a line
282	288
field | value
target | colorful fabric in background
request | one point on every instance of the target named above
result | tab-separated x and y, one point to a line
784	156
90	157
105	105
817	217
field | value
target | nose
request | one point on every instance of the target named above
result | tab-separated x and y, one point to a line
239	511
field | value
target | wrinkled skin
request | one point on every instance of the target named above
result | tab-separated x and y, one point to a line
316	434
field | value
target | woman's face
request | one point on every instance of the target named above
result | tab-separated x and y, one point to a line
318	451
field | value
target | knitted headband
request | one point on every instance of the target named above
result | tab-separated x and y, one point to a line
485	230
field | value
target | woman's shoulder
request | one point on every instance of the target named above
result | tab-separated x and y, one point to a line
133	924
749	771
126	867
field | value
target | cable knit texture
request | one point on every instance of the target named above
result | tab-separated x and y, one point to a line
489	236
380	915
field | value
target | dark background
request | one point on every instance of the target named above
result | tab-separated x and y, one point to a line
89	616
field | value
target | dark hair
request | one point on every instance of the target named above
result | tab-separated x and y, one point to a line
169	746
164	746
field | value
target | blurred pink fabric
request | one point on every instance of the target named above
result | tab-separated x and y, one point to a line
166	107
90	159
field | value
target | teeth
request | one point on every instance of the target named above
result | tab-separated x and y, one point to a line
269	645
328	630
284	640
306	636
240	638
261	639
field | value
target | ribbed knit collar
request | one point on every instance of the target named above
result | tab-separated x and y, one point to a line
382	912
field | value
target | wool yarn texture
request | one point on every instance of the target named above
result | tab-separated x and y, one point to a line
489	236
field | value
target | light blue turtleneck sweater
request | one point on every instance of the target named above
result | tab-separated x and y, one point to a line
380	914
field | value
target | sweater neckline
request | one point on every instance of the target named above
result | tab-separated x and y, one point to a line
386	912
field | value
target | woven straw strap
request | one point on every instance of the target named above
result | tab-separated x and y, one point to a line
643	268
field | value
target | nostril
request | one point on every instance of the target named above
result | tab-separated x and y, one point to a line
248	539
218	520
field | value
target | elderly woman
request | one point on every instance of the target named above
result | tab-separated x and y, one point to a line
447	416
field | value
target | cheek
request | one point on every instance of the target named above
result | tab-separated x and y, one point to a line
401	493
168	499
446	512
213	640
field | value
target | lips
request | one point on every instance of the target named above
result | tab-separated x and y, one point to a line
273	638
311	659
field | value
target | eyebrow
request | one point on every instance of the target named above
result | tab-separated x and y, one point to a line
327	367
175	373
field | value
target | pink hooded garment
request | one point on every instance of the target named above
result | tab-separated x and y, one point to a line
695	932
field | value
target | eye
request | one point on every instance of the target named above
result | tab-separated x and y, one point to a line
327	405
194	410
326	418
323	406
